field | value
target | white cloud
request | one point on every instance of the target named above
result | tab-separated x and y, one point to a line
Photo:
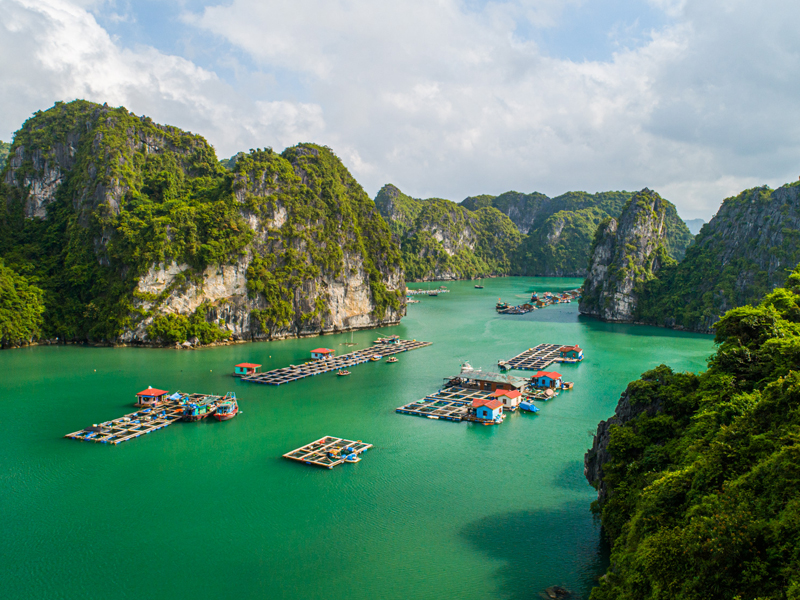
57	51
449	99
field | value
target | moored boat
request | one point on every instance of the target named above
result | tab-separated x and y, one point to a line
226	410
528	406
376	358
196	412
342	372
391	359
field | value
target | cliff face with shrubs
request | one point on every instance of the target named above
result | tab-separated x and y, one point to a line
627	253
744	252
136	233
443	240
698	475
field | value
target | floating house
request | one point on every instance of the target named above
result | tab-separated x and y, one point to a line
322	353
485	380
509	398
571	352
487	409
150	397
547	379
243	369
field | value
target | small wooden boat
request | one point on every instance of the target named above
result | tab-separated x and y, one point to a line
391	359
432	416
376	358
226	410
342	372
197	412
352	458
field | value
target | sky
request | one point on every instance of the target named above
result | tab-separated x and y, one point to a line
696	99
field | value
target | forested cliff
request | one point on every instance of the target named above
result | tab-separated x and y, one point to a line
746	250
698	475
135	232
554	238
628	252
443	240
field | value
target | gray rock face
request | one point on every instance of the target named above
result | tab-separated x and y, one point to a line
627	252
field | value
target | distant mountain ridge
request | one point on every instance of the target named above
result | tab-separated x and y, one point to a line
555	234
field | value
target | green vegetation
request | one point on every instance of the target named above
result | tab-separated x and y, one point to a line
439	238
171	328
21	308
5	147
556	238
746	251
704	483
137	194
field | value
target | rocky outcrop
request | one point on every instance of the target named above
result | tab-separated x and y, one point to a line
743	253
442	240
627	253
164	243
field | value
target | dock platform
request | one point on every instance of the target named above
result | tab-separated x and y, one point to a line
143	421
309	369
449	404
534	359
327	452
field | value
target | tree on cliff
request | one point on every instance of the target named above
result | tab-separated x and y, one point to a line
698	475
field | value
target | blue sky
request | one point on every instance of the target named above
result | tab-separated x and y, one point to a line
693	98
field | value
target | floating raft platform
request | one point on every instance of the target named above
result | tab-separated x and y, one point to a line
296	372
535	359
450	404
316	453
142	422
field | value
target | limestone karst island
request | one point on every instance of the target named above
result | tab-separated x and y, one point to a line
479	300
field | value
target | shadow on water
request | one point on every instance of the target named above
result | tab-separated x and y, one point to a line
571	478
542	548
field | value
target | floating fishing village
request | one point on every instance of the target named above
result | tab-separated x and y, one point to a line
472	395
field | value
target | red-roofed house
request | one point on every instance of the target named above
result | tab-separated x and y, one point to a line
571	352
322	353
547	379
487	409
509	398
243	369
150	397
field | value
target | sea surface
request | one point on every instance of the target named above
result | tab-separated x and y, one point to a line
211	510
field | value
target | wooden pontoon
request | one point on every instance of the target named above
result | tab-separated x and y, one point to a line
328	451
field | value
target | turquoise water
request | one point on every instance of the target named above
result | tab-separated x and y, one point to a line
211	510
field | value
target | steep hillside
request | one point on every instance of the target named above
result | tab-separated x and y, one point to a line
698	475
21	309
745	251
557	233
627	253
136	233
4	148
443	240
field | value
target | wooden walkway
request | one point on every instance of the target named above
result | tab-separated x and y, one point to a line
534	359
143	421
327	452
450	404
309	369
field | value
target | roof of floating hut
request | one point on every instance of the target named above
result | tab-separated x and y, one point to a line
508	393
576	347
550	374
248	365
322	350
492	377
151	391
490	404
